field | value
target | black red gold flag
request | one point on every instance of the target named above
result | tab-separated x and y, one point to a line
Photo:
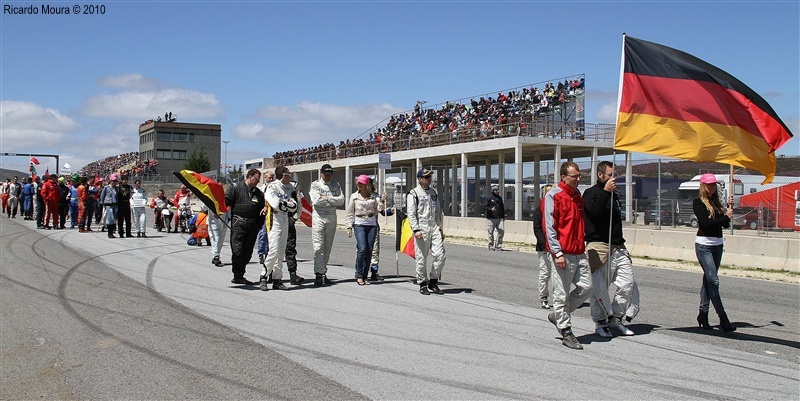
674	104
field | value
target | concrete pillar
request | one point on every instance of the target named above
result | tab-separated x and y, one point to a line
557	165
464	184
593	173
487	169
453	186
518	181
348	184
537	173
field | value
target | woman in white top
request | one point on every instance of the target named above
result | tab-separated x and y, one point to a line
362	217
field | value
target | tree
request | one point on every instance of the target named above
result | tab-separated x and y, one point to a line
198	161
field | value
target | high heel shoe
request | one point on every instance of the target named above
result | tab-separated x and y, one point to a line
702	320
725	323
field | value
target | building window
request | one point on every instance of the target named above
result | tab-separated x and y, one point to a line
164	154
164	136
179	154
191	137
179	137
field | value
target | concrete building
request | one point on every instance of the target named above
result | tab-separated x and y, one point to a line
171	143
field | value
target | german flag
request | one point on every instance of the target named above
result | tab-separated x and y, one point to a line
207	190
405	237
674	104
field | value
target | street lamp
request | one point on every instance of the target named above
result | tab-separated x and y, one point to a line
227	176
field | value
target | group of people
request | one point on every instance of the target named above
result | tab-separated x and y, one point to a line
580	240
482	118
265	219
581	236
127	164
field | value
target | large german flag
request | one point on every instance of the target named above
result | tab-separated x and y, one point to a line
674	104
405	237
207	190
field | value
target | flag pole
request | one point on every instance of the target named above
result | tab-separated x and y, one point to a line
619	90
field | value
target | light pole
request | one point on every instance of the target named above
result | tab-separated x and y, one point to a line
226	160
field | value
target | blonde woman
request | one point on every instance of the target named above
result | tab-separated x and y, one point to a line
712	217
362	217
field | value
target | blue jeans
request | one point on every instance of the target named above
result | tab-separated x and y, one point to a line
710	257
262	241
365	238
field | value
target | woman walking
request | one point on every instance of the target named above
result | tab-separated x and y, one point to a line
362	217
711	219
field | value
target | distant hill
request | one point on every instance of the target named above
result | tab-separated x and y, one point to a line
789	166
6	173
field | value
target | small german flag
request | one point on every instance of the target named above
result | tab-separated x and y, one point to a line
207	190
674	104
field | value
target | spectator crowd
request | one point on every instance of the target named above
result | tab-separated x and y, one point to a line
482	118
127	164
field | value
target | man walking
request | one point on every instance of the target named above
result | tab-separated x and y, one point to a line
564	229
495	213
247	204
281	204
326	195
425	216
601	204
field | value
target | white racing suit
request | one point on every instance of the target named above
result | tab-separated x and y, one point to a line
626	296
425	216
281	204
216	232
138	205
325	198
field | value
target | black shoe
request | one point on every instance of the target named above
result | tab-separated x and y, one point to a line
295	279
144	235
138	235
128	235
702	320
216	261
242	280
319	280
423	288
569	340
433	286
326	280
725	323
262	284
277	285
376	277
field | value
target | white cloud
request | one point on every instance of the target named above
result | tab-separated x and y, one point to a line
131	81
143	105
309	123
607	113
26	124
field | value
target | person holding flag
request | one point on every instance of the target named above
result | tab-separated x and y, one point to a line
281	205
425	217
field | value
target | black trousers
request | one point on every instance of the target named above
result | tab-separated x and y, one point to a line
291	248
63	209
124	216
40	208
244	233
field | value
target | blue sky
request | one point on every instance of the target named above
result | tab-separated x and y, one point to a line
284	75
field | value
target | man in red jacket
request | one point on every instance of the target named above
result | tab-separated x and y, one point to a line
564	230
50	195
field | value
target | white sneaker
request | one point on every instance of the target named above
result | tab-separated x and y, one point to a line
601	329
617	325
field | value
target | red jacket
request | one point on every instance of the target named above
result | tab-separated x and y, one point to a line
563	225
50	192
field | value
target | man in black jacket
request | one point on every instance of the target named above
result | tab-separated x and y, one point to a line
495	213
601	206
247	216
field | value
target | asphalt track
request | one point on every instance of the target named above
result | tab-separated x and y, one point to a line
86	317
